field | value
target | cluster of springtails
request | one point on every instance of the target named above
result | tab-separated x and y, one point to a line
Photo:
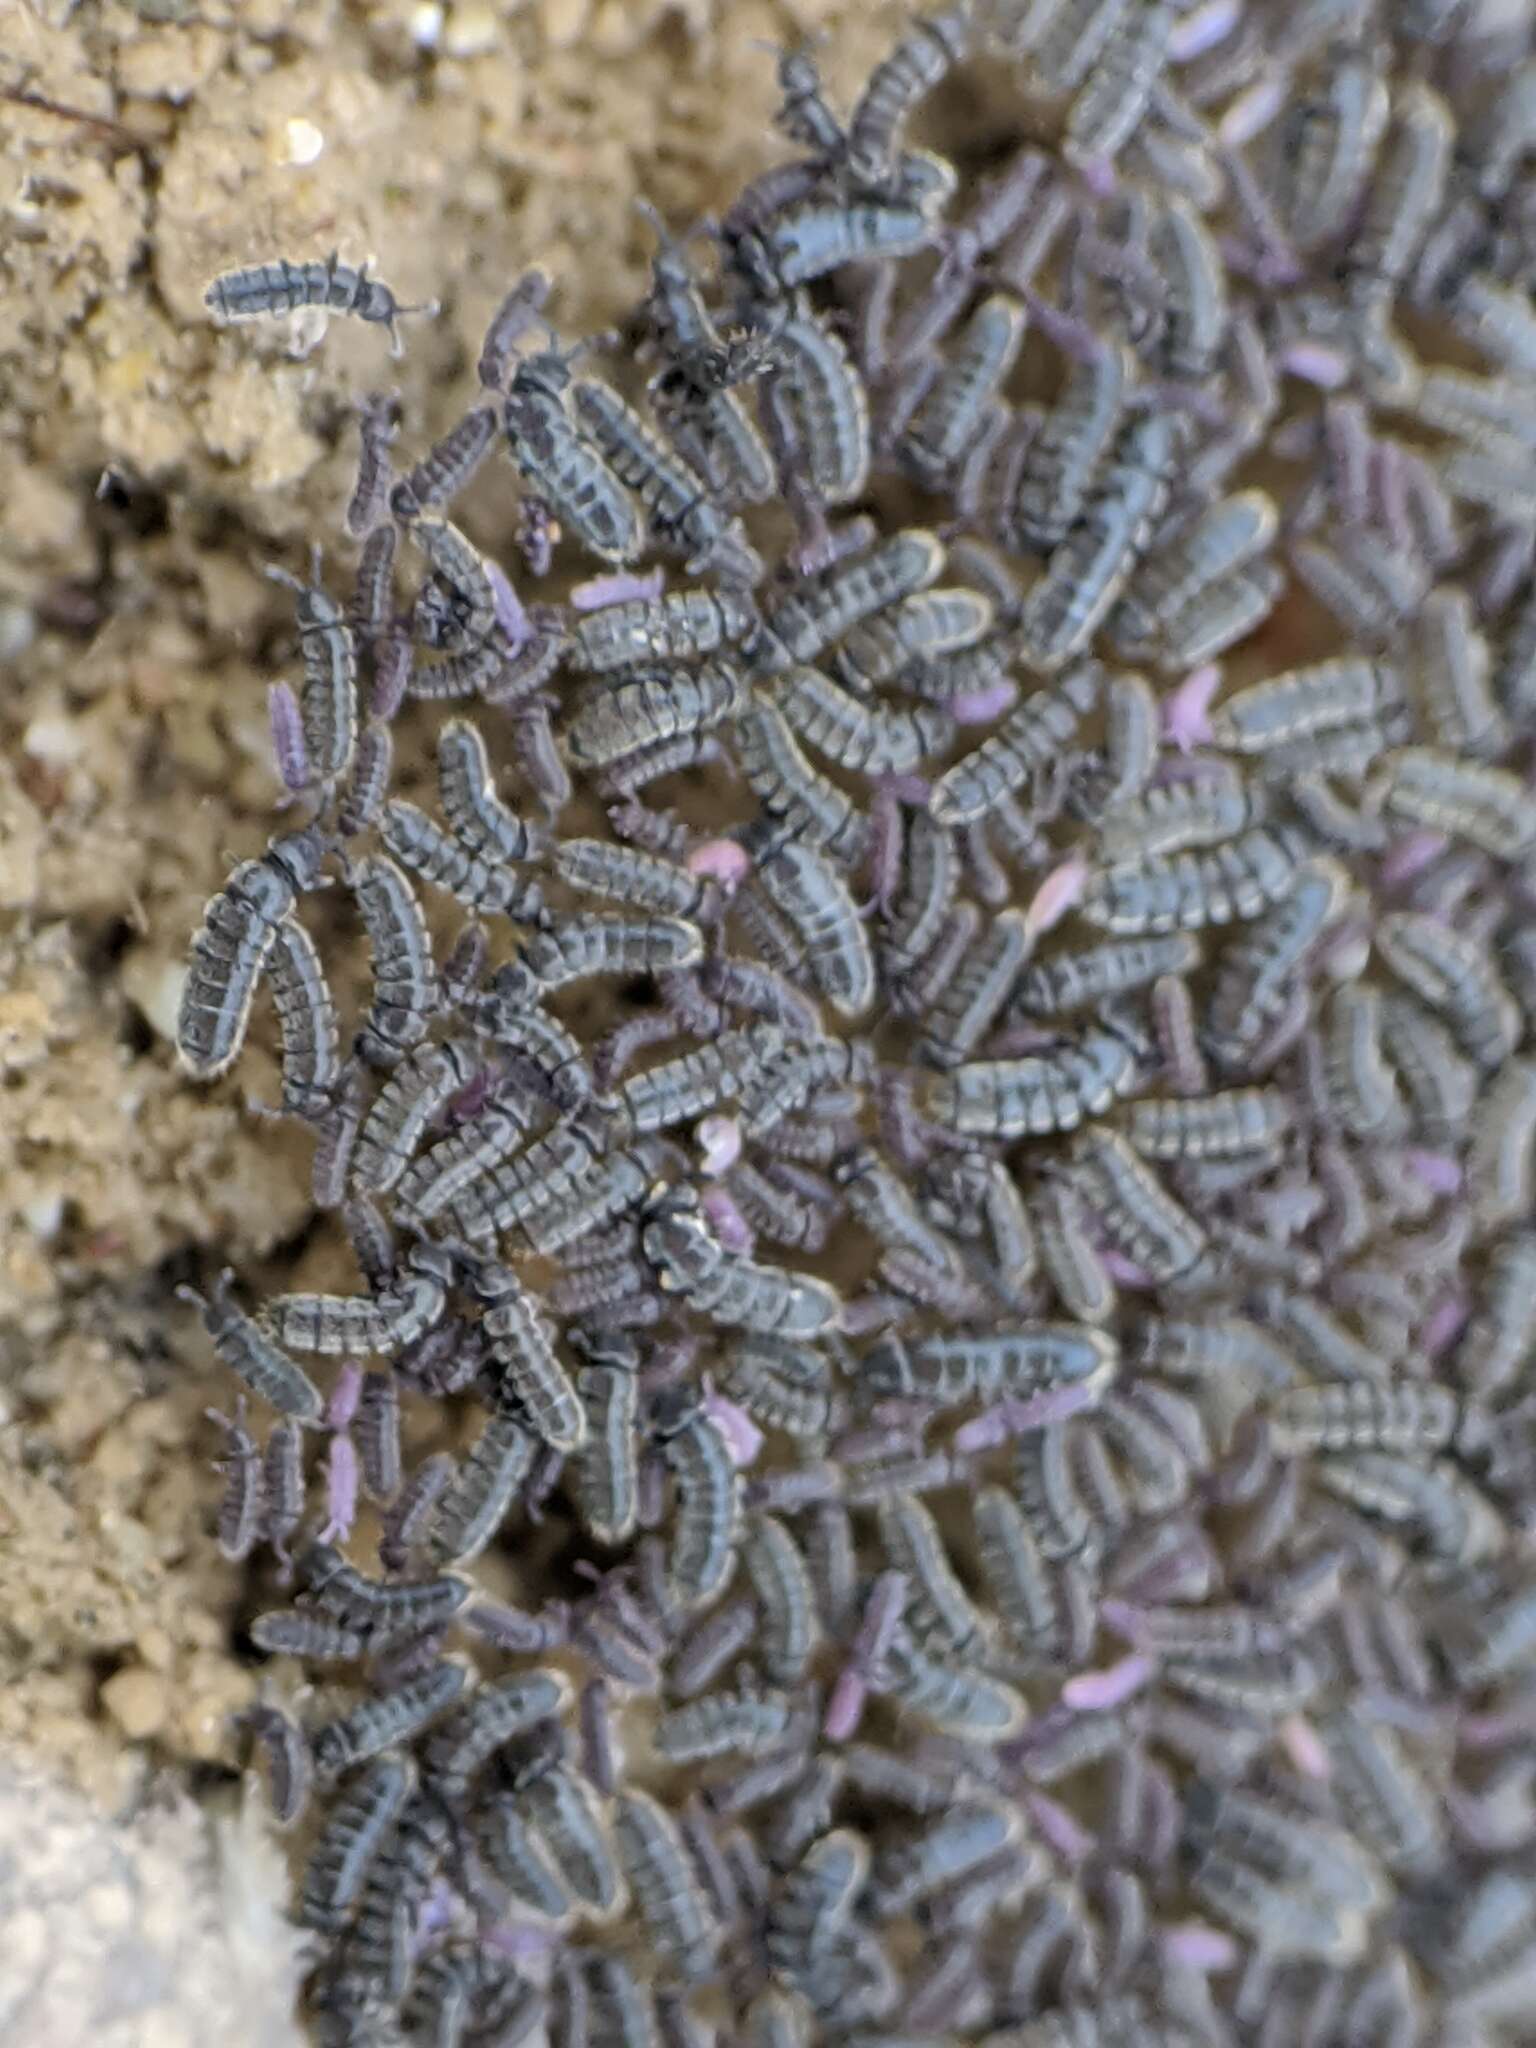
935	1440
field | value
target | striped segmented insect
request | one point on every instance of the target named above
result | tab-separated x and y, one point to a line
1326	143
1502	1334
1371	587
592	943
667	1893
1388	1800
650	708
647	632
406	1107
347	1325
1141	1219
878	1198
376	431
1487	413
727	1289
793	793
818	610
378	1435
445	470
811	1907
1195	315
1133	721
709	424
913	632
1324	1342
928	879
955	1697
515	1858
1360	1087
816	384
1439	1082
1456	976
746	1724
419	843
939	1856
463	575
1224	884
328	696
467	790
518	311
372	766
497	1188
1114	97
1501	1161
869	739
355	1832
1365	1415
1451	671
625	874
384	1722
1488	807
1029	1358
243	1507
490	1718
1069	1252
803	114
1065	456
405	989
1037	1094
380	1944
788	1629
618	2004
286	1755
968	1006
1404	195
816	901
606	1476
784	1385
707	1521
1303	702
696	1082
256	1360
684	515
274	289
237	935
1021	1583
1028	744
562	467
1090	568
1226	1124
938	1609
1202	810
568	1819
1072	981
1218	617
477	1498
806	241
439	1178
306	1020
1047	1490
919	63
371	615
1260	973
1231	534
951	414
384	1611
522	1351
